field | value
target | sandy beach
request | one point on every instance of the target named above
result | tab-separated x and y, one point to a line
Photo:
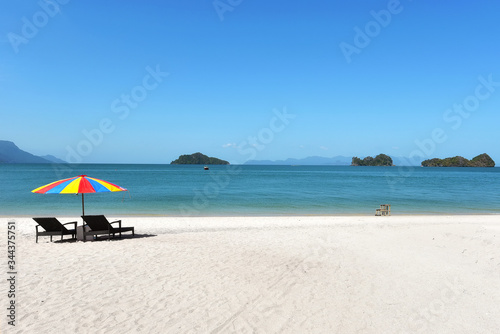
314	274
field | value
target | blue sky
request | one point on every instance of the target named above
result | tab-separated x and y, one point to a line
147	81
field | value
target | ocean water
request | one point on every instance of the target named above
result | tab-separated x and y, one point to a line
178	190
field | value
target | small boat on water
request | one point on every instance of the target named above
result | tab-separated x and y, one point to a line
206	168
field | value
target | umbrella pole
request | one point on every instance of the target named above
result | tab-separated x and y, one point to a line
83	220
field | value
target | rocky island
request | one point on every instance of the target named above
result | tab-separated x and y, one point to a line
379	160
482	160
198	159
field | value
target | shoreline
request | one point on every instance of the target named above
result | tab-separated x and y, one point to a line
139	215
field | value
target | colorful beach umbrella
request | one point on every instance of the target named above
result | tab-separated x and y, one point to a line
81	184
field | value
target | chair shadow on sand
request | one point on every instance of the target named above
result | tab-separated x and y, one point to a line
136	236
105	238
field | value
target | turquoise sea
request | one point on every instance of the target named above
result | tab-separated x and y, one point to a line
177	190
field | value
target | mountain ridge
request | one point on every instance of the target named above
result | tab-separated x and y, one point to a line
338	160
10	153
312	160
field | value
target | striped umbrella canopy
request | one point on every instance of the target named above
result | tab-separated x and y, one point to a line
81	184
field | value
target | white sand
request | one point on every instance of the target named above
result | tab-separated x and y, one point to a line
398	274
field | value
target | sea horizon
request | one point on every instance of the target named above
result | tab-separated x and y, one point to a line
253	190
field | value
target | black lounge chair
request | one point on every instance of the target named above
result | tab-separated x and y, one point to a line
95	225
52	226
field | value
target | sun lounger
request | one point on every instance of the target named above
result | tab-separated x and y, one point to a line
385	210
52	226
100	225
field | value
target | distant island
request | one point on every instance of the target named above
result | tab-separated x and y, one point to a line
198	159
11	154
379	160
482	160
